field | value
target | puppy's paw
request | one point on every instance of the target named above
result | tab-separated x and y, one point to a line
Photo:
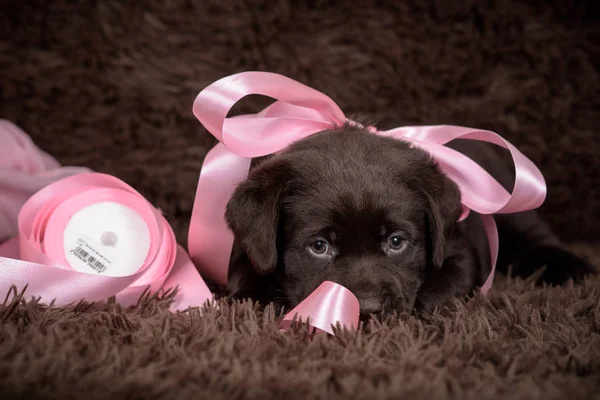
560	265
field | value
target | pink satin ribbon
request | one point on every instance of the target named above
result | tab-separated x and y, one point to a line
298	112
36	259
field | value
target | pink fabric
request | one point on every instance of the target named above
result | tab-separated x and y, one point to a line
36	258
300	111
24	169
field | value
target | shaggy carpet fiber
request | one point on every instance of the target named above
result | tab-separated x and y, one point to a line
110	84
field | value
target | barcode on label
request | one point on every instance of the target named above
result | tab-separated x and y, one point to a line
90	260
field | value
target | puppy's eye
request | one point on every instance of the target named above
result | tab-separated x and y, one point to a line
396	243
319	247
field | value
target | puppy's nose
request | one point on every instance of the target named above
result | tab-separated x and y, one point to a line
370	305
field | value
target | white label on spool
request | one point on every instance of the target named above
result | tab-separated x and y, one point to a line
106	238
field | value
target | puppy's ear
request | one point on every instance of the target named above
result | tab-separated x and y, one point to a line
443	211
253	213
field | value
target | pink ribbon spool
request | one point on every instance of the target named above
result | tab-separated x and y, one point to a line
41	264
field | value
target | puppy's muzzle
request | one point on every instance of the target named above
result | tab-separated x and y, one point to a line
370	305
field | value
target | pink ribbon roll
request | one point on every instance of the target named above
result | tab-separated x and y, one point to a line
39	261
298	112
38	199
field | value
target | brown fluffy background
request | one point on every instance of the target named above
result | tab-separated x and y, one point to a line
110	84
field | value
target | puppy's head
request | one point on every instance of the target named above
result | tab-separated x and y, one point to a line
368	212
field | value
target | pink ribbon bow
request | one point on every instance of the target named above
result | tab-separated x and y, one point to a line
298	112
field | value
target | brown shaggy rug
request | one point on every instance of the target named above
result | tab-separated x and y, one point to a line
110	84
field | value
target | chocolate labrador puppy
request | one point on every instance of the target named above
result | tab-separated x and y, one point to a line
378	217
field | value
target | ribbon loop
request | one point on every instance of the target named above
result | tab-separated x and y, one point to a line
304	108
480	191
274	133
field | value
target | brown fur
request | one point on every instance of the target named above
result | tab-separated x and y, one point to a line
350	193
109	84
